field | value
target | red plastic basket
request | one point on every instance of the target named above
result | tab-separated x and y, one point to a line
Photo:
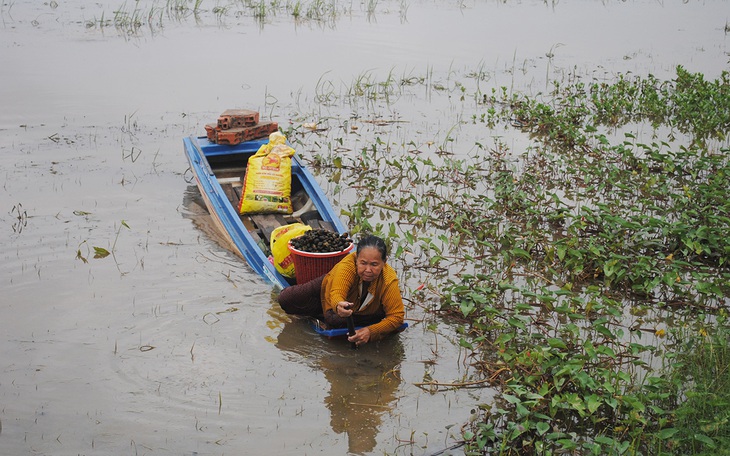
308	266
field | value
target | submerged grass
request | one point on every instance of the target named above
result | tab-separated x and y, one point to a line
133	19
588	273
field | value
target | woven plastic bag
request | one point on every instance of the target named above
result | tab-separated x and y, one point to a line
267	185
280	237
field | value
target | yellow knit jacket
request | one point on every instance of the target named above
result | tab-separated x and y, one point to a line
343	284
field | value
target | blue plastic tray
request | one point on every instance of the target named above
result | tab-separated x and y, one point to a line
339	332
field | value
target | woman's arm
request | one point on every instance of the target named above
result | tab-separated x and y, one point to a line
392	303
338	283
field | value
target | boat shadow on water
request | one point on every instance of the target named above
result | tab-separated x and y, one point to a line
193	208
363	382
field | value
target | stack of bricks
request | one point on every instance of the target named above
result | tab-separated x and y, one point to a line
238	125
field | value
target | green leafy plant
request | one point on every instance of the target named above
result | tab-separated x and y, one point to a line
562	264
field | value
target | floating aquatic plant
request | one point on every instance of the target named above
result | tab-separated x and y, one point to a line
570	266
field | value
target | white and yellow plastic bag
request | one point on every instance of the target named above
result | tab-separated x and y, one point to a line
280	237
267	185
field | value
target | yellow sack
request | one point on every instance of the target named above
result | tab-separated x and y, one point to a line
283	259
267	185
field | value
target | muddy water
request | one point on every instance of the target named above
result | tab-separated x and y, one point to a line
171	345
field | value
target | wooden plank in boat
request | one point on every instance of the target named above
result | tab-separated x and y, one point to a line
230	180
238	191
326	225
320	224
231	193
268	223
313	219
256	234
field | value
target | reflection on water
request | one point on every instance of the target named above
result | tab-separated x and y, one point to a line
196	211
362	389
363	382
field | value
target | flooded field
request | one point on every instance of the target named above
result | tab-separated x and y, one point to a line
171	344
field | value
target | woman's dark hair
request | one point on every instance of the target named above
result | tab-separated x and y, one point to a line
373	241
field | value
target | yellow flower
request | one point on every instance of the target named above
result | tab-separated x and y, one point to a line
703	333
660	333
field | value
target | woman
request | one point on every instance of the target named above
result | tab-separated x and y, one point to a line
361	285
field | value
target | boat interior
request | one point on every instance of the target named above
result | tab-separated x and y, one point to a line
230	172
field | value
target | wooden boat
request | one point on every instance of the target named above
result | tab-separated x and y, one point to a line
219	171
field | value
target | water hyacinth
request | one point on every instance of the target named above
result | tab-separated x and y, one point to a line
570	266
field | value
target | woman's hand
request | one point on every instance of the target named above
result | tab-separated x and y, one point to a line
362	336
344	309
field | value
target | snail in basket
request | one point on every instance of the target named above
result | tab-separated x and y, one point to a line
321	241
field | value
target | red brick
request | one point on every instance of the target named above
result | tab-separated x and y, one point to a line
233	136
211	131
237	118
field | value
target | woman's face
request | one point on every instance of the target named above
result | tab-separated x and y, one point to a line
369	264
